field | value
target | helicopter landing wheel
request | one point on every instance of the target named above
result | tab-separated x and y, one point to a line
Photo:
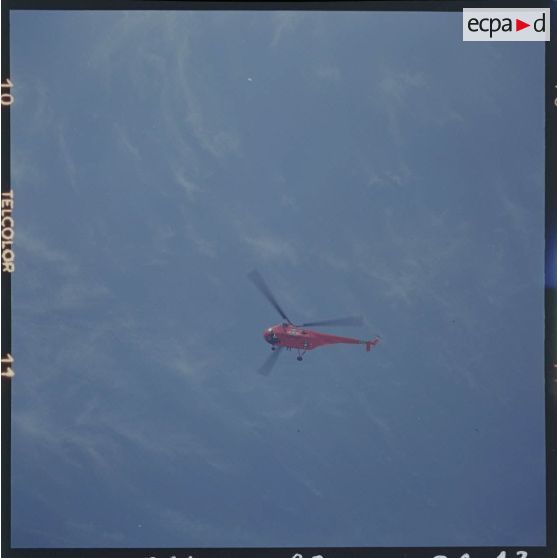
272	348
299	358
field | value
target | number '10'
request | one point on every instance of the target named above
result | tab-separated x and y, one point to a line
6	99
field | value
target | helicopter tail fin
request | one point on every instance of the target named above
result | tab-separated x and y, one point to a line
371	343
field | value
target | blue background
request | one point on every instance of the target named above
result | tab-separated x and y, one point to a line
365	163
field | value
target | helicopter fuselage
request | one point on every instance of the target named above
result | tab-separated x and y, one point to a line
291	336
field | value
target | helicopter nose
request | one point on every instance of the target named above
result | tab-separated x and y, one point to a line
267	334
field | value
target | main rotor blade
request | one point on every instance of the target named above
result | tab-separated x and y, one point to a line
348	321
257	279
269	363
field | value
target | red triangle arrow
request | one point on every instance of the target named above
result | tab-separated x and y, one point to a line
519	25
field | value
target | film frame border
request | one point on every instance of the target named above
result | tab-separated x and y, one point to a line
550	291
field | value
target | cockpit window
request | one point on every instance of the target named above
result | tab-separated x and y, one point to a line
271	337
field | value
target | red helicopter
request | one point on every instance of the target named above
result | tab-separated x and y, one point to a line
287	335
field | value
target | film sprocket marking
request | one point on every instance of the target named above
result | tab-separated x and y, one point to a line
8	256
6	99
7	371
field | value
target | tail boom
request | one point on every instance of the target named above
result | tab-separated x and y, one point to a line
368	343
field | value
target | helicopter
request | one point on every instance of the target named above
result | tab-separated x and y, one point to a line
287	335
